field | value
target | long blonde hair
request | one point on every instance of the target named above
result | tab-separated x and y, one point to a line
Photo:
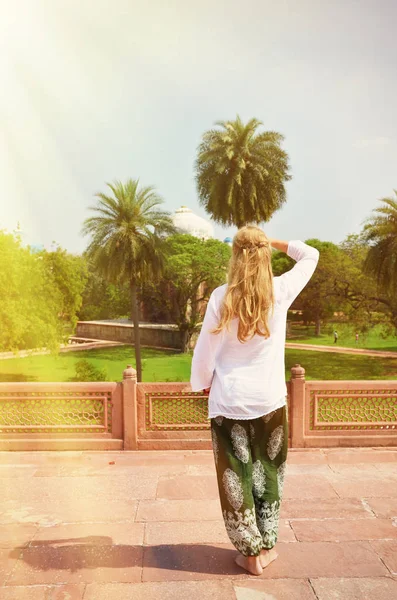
249	294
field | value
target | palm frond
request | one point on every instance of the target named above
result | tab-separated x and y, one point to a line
126	231
380	231
240	173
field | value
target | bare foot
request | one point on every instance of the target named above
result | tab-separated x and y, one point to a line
249	563
267	556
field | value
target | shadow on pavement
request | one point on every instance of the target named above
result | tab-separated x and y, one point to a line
95	552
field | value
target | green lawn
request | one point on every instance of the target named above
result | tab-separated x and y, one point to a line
372	341
161	365
158	365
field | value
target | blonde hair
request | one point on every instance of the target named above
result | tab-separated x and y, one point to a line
249	295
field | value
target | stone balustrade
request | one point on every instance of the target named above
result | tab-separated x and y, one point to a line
165	416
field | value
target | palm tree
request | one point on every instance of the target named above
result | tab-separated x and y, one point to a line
380	231
240	173
127	241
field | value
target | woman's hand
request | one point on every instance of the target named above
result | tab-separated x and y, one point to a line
206	390
278	244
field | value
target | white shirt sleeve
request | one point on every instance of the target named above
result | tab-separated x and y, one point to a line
203	363
294	280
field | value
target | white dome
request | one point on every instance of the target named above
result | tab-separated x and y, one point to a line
186	221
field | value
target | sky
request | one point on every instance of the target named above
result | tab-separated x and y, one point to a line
98	90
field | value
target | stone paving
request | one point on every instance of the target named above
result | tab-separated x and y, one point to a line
148	525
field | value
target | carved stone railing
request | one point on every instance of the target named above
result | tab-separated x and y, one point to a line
171	416
47	412
321	413
154	416
342	413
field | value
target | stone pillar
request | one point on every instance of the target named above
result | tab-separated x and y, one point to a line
297	402
130	413
117	412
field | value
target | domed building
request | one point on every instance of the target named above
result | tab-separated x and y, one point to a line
186	221
228	241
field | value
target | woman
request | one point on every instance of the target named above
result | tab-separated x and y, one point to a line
239	359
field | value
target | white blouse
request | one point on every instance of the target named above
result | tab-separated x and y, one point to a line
247	380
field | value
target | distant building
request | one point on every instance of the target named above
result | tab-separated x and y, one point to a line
228	241
186	221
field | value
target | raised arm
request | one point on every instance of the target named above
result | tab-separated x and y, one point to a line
203	363
293	281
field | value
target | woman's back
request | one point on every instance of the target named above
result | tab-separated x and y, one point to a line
247	379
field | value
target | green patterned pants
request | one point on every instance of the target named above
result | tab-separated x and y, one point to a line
250	459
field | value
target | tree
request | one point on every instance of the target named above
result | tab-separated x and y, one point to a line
69	272
281	262
341	283
104	300
30	299
320	298
380	231
127	243
194	268
367	303
240	173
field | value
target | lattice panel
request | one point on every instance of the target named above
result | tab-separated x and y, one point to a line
353	410
56	412
176	410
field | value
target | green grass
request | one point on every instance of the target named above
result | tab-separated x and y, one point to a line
373	340
162	365
333	365
158	365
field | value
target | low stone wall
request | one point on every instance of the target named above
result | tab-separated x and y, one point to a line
152	335
169	416
61	416
332	413
155	416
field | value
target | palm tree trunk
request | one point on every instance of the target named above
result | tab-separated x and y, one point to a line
137	336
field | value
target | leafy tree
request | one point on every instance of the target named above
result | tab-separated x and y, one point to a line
367	303
127	244
320	298
341	283
104	300
281	262
69	273
194	268
241	173
380	231
155	298
31	301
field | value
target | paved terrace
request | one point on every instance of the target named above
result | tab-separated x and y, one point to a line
148	525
